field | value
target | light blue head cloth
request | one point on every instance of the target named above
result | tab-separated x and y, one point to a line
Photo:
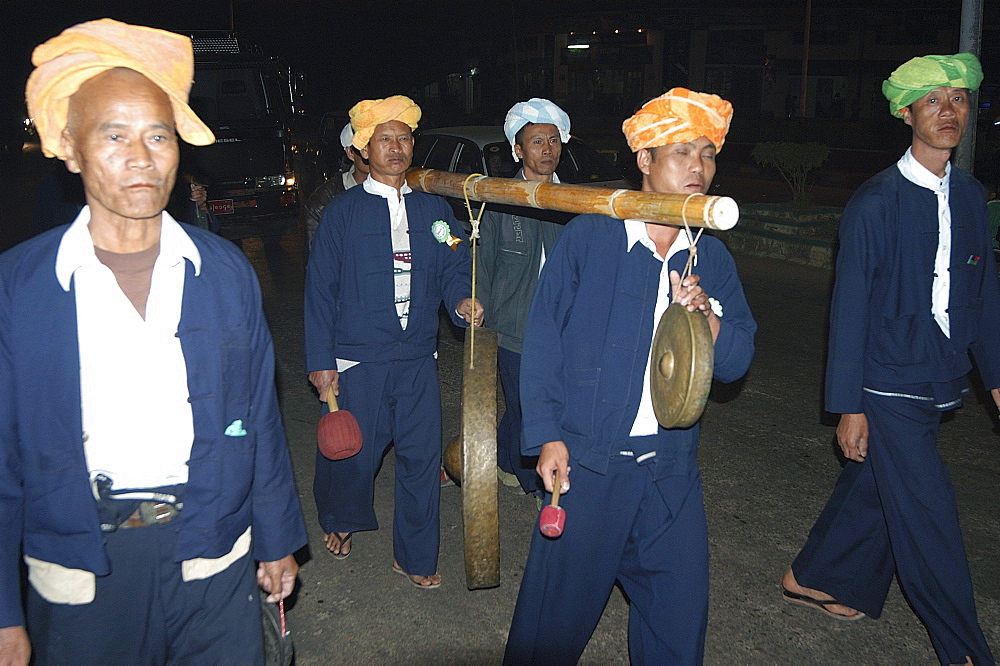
346	135
536	110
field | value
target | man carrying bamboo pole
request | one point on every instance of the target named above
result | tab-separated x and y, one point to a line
511	253
383	260
635	511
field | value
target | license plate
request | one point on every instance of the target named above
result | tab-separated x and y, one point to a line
221	207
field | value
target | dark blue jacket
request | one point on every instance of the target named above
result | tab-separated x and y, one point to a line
882	333
588	338
350	308
234	482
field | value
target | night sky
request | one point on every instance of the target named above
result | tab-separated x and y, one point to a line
359	49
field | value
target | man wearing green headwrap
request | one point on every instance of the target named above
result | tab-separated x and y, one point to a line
916	290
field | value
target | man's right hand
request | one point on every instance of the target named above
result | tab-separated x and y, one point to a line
852	435
15	650
554	456
323	380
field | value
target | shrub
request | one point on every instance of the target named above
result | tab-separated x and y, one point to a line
793	161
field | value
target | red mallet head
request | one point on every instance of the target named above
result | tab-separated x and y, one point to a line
338	433
552	520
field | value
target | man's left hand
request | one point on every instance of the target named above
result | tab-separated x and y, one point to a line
278	578
996	396
464	310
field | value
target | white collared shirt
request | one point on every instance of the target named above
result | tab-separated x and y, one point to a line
137	421
400	246
918	174
635	231
348	178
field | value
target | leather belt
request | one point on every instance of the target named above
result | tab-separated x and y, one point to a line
150	513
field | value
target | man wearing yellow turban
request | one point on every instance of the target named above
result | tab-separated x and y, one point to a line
144	461
383	259
916	290
635	513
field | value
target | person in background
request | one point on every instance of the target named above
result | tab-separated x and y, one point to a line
335	185
514	243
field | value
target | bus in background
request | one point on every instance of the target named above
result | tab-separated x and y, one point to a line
250	101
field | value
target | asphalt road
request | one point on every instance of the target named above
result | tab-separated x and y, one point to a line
768	461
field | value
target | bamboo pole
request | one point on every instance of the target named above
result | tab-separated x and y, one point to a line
711	212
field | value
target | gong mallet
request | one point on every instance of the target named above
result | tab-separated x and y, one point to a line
552	519
338	433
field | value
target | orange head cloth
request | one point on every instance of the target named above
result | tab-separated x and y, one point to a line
367	114
679	116
80	53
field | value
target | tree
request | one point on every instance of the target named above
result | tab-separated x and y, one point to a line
793	161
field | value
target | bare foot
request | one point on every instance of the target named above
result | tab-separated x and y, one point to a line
424	582
789	583
339	544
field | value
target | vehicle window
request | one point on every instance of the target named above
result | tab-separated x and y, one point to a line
441	153
469	159
582	164
421	147
230	97
499	162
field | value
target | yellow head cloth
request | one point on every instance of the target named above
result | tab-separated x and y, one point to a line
918	76
367	114
679	116
78	54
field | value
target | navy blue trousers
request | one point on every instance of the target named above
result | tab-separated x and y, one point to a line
143	613
649	536
896	513
509	431
397	403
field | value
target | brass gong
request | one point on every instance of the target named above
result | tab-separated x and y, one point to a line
680	373
478	459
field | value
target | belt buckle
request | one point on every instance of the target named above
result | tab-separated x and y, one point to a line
153	513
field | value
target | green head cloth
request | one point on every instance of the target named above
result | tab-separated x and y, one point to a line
917	77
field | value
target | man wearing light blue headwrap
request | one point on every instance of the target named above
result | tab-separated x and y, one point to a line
513	245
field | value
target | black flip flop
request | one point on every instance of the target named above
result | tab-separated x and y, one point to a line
343	541
818	604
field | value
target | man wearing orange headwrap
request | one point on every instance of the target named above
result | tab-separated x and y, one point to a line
142	454
383	260
630	487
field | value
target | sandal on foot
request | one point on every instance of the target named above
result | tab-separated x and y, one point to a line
413	578
818	604
343	542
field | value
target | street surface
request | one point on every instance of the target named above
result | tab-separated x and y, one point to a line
768	459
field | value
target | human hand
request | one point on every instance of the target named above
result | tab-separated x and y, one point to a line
15	648
324	380
278	578
199	195
690	294
554	456
852	435
464	310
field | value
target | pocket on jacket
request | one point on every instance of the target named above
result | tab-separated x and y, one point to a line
581	400
899	341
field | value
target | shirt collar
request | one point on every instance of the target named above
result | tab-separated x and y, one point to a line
635	232
76	249
555	176
918	174
378	188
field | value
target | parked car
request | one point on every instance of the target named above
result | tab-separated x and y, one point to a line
484	149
